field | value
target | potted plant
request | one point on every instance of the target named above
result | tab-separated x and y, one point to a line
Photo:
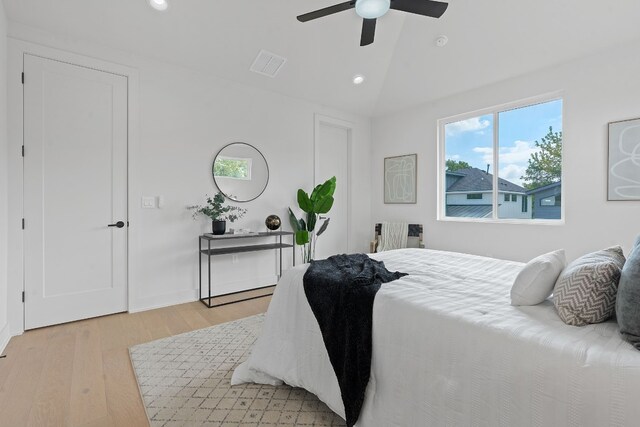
218	212
319	202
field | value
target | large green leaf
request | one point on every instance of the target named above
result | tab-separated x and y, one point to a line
323	227
303	201
314	193
311	221
326	189
323	205
302	237
296	224
293	219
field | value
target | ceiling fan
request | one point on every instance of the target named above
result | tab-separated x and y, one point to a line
370	10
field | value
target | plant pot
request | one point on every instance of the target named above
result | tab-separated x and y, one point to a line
218	227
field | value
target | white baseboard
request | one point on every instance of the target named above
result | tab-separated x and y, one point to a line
5	336
165	300
181	297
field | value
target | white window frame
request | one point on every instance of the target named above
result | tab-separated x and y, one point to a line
495	111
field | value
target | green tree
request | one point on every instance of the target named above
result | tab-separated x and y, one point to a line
231	168
545	166
454	165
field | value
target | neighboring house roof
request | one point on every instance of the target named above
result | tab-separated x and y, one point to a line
469	211
474	179
544	188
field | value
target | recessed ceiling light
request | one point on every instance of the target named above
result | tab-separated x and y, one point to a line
358	79
159	4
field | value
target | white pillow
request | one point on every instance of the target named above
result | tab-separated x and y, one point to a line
535	282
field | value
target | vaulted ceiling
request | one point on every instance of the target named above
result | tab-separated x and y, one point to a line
489	41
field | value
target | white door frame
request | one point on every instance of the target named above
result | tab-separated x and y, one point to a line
17	50
348	126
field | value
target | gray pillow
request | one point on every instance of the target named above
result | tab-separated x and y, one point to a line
586	290
628	301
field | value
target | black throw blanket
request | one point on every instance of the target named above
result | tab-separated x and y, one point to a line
340	291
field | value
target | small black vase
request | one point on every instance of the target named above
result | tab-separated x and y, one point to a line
219	227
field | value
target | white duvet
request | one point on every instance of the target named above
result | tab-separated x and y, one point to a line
449	350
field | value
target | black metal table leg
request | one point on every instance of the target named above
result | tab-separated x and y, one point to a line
207	300
209	259
280	258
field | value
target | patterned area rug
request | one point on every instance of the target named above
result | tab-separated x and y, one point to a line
184	381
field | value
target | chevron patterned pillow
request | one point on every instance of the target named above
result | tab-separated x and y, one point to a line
586	290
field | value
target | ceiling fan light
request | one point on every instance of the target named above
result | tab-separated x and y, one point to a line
372	9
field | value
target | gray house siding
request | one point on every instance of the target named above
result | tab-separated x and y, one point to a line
547	193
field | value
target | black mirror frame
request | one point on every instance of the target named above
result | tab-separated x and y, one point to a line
265	162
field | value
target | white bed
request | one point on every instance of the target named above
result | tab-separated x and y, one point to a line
449	349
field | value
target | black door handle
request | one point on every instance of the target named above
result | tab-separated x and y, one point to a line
118	224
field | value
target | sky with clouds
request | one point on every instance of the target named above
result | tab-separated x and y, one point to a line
471	140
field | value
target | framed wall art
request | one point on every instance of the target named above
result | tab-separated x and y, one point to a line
400	179
624	160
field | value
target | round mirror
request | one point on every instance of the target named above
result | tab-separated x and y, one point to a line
241	172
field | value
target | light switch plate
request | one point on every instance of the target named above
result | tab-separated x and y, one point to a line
148	202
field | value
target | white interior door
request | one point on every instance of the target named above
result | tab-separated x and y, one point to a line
75	186
332	152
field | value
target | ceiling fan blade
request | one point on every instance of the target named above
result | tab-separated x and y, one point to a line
327	11
434	9
368	31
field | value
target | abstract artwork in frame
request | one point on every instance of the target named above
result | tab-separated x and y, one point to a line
624	160
400	179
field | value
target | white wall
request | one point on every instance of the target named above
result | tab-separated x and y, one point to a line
185	117
596	90
4	330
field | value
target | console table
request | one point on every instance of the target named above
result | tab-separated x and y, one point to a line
209	251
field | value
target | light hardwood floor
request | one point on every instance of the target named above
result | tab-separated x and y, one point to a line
79	374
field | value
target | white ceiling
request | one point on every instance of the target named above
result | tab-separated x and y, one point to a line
489	40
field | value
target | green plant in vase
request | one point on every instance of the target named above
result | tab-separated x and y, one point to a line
319	202
218	212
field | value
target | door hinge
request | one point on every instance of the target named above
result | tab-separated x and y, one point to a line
23	151
23	223
23	77
22	296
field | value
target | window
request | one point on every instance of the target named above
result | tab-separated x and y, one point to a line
234	168
498	155
551	201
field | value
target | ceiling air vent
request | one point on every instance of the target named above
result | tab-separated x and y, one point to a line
267	64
